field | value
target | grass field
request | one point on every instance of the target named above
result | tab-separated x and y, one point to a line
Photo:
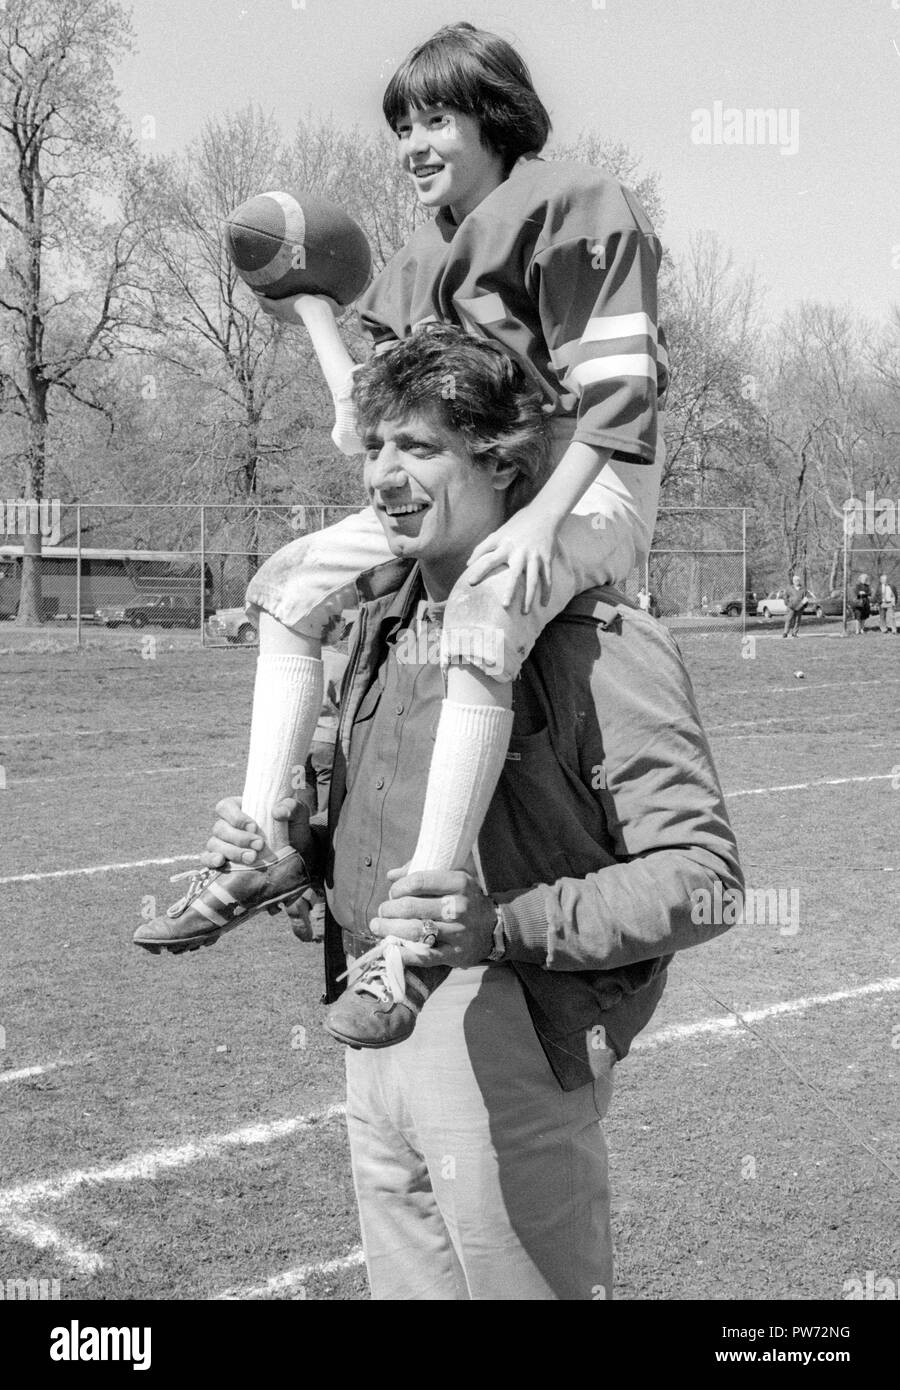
172	1126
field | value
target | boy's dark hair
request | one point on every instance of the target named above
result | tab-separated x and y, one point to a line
470	386
480	74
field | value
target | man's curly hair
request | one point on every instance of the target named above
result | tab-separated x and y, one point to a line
470	386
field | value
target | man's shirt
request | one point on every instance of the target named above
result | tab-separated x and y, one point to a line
393	738
606	831
334	665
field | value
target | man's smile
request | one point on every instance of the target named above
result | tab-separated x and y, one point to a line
403	508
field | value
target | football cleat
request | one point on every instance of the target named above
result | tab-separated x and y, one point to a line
384	994
218	900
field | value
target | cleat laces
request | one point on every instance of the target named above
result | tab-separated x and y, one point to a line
380	972
200	880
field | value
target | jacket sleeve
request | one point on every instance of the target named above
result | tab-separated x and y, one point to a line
674	879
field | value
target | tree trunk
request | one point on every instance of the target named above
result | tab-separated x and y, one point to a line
837	557
249	482
31	608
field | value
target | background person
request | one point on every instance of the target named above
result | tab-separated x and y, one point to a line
861	604
795	598
887	605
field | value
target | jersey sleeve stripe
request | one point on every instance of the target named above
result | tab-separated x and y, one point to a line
634	330
610	369
483	308
599	330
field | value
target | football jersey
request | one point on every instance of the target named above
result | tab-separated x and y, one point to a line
558	265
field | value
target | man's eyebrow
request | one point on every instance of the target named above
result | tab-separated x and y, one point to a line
405	439
418	436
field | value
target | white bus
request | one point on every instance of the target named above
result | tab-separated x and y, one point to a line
108	578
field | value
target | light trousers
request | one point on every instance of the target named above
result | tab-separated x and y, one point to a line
477	1176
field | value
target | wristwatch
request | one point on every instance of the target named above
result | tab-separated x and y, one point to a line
499	948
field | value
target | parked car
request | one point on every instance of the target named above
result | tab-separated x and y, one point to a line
232	624
730	606
158	610
774	605
831	607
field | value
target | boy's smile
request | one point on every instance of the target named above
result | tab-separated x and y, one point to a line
442	152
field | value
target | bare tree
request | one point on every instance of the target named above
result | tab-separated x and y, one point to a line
615	158
711	314
265	410
66	289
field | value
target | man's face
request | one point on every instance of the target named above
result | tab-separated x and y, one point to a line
435	505
441	151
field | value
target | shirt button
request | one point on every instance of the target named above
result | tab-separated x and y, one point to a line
398	709
367	860
379	783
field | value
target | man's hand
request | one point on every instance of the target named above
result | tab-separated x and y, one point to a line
236	837
453	902
524	545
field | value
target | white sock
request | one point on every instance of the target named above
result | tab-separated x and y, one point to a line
287	702
468	757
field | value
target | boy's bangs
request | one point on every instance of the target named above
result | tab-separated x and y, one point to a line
434	77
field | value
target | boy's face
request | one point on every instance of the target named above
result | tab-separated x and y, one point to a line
441	151
434	503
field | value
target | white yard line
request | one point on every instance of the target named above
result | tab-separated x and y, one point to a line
777	719
74	873
45	1237
123	776
767	690
188	858
681	1032
99	869
805	786
24	1072
13	736
144	1166
297	1278
15	1201
293	1278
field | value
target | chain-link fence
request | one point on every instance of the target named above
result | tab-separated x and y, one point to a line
171	566
695	578
187	566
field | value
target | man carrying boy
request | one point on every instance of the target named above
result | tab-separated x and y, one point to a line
477	1150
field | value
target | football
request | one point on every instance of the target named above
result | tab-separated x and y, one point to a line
281	244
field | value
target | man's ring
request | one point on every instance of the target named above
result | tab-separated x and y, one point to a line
452	907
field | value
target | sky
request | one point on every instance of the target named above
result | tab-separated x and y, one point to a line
813	208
